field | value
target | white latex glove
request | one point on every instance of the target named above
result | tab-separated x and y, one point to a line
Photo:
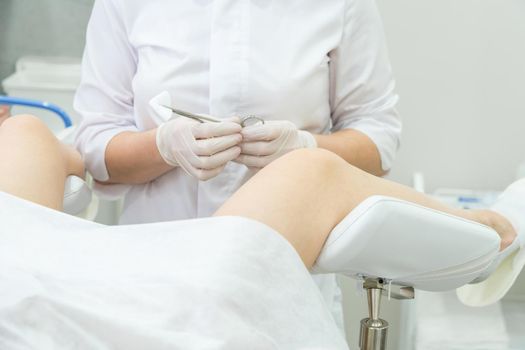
201	149
263	143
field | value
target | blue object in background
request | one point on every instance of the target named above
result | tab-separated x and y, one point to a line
463	199
9	100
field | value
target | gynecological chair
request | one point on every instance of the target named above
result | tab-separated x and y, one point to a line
391	245
395	247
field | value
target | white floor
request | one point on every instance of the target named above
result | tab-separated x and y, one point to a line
514	315
444	323
441	322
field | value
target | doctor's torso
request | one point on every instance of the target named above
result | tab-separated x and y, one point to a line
226	58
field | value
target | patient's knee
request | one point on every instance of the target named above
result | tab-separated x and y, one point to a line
22	123
315	162
317	156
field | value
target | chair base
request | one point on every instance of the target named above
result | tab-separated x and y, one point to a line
373	334
374	330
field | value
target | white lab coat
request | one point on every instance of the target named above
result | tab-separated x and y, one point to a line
321	64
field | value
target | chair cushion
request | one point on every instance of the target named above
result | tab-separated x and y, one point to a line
408	244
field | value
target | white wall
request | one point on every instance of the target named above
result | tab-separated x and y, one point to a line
44	28
460	68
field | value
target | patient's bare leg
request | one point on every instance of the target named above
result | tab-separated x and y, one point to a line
33	163
306	193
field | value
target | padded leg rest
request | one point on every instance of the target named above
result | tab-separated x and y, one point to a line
409	245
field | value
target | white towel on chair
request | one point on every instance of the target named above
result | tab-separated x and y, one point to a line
216	283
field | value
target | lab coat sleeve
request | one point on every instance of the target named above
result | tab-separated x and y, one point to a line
104	98
362	85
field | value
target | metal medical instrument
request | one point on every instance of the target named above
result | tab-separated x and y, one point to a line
245	121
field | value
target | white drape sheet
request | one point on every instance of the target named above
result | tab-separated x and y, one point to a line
215	283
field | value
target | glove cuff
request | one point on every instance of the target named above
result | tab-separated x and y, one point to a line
308	140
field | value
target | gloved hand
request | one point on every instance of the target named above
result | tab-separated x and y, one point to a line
201	149
263	143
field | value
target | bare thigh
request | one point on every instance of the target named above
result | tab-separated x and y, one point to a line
306	193
33	163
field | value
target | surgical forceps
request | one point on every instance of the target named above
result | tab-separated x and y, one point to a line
245	121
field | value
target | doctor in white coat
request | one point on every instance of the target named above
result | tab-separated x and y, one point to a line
316	71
